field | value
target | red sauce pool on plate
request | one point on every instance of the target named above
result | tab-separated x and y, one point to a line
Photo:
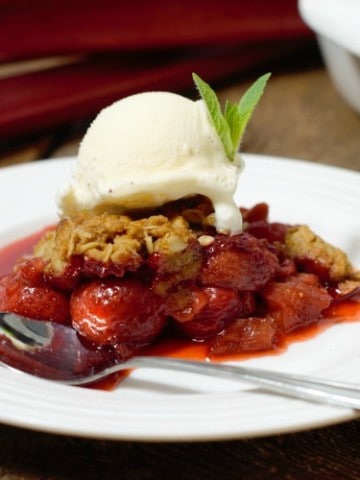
12	252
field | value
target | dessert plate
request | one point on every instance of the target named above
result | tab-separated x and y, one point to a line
158	406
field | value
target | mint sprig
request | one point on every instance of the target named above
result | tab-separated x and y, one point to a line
231	124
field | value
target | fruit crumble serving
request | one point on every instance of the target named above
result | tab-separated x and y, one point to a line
150	243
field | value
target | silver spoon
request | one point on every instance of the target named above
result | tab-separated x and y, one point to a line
55	352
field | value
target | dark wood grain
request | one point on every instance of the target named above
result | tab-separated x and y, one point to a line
327	454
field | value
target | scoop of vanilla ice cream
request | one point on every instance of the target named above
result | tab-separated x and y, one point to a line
149	149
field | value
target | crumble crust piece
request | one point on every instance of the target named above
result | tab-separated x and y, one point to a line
301	242
118	239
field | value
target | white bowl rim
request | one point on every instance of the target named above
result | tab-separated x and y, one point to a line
337	20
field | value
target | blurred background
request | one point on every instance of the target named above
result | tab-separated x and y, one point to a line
62	61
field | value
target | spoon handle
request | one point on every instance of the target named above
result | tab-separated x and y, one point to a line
299	386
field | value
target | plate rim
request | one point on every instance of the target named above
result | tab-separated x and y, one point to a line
334	415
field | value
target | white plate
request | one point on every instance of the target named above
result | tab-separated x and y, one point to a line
156	405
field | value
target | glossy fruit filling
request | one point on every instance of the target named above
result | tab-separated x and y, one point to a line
220	295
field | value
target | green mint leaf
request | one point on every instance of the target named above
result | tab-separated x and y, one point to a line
231	124
233	118
220	123
249	101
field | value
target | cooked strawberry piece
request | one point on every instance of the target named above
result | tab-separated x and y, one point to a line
246	335
286	268
310	265
25	292
256	223
272	232
185	303
296	302
30	271
239	261
70	275
260	211
97	269
208	316
115	311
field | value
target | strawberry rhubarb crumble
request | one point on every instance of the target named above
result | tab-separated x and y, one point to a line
151	244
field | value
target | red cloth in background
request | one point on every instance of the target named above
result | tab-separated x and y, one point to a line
43	27
130	46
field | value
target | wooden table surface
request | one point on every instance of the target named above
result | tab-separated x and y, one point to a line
301	116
